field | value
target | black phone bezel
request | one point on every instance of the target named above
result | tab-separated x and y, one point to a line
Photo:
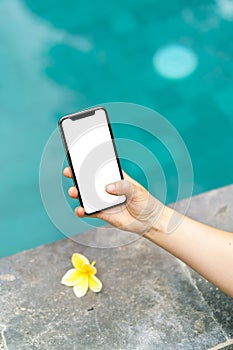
79	115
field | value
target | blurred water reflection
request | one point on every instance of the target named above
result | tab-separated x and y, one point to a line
57	58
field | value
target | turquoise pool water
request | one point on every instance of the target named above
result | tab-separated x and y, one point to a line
59	57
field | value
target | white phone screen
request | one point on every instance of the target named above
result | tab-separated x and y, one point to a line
94	161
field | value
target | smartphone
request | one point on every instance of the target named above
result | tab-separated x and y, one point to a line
91	152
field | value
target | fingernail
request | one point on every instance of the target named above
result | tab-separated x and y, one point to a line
111	187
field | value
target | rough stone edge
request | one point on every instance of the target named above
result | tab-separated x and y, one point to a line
185	268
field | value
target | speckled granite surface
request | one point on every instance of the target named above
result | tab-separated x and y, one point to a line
150	300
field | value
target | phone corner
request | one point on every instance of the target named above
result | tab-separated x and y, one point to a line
103	108
61	120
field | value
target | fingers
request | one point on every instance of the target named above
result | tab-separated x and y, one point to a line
121	187
73	192
67	172
79	211
128	187
124	187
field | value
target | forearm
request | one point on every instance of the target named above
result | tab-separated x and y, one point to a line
207	250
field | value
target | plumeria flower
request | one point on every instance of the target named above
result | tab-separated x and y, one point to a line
82	276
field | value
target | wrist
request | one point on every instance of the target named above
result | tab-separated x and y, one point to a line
162	220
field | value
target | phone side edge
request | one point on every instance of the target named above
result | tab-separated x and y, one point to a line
113	142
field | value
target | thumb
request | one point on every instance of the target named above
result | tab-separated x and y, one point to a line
121	187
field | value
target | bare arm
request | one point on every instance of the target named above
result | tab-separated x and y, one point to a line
208	250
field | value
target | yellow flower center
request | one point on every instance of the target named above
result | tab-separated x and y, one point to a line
89	269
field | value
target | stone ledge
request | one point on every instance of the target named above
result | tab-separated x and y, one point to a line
150	300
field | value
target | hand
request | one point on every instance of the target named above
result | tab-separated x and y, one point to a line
139	213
